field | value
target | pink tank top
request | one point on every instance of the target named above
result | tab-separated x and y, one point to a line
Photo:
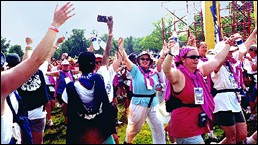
184	120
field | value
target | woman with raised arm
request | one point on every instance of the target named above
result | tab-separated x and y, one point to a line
191	119
144	102
13	78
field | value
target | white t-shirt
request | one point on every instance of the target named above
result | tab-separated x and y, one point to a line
108	75
7	120
228	100
85	95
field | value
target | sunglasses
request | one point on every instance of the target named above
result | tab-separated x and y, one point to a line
98	62
147	59
193	57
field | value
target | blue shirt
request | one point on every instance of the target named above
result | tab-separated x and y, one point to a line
139	87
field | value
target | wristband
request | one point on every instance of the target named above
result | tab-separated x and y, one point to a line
169	53
28	47
54	28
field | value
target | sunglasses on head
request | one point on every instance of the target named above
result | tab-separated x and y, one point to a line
147	59
193	56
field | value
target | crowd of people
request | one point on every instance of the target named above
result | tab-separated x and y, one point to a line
218	88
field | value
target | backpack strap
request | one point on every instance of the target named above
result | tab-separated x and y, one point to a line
12	109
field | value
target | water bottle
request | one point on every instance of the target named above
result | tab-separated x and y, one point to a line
175	50
102	44
241	45
95	43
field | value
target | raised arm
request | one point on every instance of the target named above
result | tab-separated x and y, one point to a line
16	76
55	47
191	41
117	61
162	56
215	64
28	49
171	73
109	42
127	61
249	41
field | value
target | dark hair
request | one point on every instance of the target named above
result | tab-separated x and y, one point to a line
254	48
13	59
132	57
86	62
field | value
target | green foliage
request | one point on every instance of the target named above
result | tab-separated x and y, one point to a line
4	45
16	49
75	44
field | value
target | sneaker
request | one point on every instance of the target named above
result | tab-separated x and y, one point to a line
50	123
252	117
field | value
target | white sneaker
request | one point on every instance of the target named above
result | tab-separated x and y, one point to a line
119	122
50	123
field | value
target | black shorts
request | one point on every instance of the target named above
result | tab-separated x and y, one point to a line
59	98
229	118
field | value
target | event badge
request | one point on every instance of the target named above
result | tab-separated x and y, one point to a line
67	80
149	87
198	96
232	80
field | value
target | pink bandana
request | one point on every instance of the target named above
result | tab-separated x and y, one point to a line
148	75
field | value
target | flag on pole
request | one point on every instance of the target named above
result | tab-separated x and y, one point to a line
217	34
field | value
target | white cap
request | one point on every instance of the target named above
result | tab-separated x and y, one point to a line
65	62
98	56
220	45
162	114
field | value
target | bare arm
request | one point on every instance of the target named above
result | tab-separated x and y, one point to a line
13	78
54	48
191	41
109	42
91	48
172	73
162	56
127	61
53	73
250	40
117	62
216	63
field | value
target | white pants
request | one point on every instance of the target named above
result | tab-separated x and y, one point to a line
137	116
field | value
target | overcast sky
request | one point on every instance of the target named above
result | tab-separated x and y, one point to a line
20	19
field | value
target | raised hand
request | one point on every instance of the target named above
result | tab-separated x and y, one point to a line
60	40
28	40
61	15
110	24
121	42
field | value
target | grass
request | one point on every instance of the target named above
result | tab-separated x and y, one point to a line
56	134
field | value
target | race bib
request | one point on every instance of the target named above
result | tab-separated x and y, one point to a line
67	80
232	81
198	96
